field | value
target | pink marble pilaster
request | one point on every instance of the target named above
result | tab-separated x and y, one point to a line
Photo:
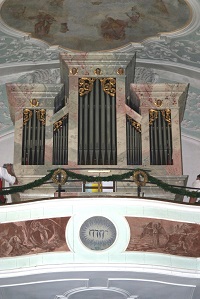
73	122
121	121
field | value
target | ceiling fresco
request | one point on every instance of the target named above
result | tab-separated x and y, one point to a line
95	25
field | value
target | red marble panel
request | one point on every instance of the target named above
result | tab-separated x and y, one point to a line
164	236
33	236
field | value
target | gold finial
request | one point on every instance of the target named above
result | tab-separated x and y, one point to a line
34	102
120	71
98	71
74	71
158	102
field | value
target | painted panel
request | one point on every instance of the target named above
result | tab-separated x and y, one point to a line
169	237
32	237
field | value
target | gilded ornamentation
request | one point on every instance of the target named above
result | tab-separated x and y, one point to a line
58	124
34	103
158	102
167	115
27	114
140	178
109	86
74	71
41	115
98	71
135	124
85	85
153	114
59	177
120	71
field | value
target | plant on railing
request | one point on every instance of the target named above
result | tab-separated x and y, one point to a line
140	177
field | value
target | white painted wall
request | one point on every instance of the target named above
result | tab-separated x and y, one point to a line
7	148
191	158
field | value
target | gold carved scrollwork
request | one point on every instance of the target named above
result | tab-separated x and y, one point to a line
41	116
167	115
58	124
109	86
85	85
27	114
153	114
135	124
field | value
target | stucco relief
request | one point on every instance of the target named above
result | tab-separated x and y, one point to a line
145	75
190	124
164	236
31	237
15	49
177	51
41	76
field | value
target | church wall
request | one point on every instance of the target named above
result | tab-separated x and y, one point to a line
7	148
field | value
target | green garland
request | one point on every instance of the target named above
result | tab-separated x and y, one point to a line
22	188
86	178
172	189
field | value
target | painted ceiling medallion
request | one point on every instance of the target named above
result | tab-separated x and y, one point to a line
98	233
94	26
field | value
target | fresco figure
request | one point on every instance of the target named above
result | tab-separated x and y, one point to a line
113	29
134	16
156	230
42	27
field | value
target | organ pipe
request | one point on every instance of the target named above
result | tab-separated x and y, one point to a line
133	142
160	137
60	141
33	138
97	122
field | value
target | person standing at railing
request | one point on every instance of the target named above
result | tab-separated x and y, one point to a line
196	184
7	174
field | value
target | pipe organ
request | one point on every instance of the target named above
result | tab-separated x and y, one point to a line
97	116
